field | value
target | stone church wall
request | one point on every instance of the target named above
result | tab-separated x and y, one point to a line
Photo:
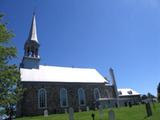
29	103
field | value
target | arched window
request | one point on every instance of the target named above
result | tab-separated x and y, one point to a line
81	97
42	98
63	97
96	94
106	94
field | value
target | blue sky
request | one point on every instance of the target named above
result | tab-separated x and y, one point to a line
122	34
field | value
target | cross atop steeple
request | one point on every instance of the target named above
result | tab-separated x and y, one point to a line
33	30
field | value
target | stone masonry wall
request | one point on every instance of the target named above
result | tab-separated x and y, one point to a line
29	104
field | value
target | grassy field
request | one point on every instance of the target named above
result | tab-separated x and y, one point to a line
124	113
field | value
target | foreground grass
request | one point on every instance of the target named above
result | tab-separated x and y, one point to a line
124	113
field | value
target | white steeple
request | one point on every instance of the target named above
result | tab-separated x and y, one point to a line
33	30
31	57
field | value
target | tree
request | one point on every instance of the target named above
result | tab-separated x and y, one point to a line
144	97
10	88
150	95
158	92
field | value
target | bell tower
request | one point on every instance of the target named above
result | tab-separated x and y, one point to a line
31	57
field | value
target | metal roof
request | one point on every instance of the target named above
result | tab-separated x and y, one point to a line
33	30
61	74
127	92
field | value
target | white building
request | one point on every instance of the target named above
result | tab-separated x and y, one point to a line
128	96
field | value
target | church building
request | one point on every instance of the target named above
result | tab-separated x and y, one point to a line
55	88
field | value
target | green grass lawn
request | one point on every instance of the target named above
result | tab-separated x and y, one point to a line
124	113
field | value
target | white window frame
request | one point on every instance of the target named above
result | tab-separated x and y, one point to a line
44	96
96	89
61	100
84	96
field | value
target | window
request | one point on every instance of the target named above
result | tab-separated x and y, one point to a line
120	92
106	94
96	94
42	98
130	92
81	97
63	97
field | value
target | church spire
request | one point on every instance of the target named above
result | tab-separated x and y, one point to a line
31	57
33	30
